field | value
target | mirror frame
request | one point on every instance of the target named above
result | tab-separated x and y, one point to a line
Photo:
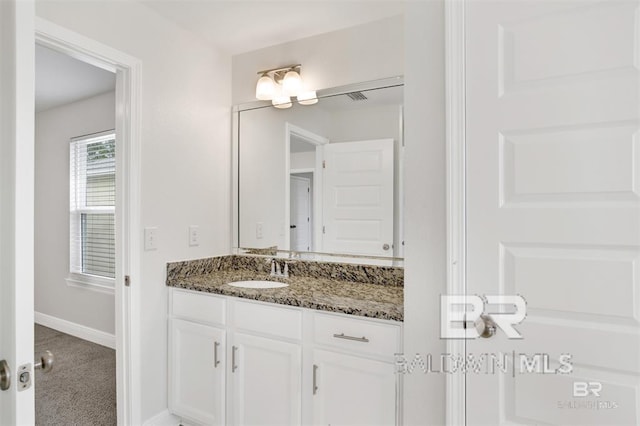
235	186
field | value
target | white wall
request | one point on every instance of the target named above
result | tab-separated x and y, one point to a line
54	129
302	160
185	118
425	206
353	55
376	122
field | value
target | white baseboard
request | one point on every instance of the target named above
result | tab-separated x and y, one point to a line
164	418
77	330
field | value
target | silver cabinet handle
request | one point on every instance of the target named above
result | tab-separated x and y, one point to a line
5	375
216	361
485	326
46	362
234	367
356	339
315	379
386	247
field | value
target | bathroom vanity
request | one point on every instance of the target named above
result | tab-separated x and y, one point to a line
318	351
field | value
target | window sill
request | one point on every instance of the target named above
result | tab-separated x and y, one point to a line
92	282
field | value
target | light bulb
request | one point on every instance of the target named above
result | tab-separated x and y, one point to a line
281	101
307	98
265	89
292	83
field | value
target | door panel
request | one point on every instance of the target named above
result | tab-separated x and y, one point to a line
300	213
358	197
553	208
197	376
352	391
17	45
267	381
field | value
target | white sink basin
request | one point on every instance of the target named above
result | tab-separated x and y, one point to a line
258	284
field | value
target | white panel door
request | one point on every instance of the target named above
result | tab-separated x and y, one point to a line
197	372
265	381
17	71
553	206
358	197
300	227
351	391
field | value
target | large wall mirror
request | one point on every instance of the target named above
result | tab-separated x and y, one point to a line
323	178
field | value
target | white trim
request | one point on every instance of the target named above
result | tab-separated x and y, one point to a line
303	170
235	170
128	166
164	418
80	331
456	232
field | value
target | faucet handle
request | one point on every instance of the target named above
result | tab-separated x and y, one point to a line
273	267
278	270
286	269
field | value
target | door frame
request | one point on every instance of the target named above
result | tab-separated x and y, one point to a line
319	142
128	161
455	163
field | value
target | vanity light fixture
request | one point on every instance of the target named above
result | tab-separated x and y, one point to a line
279	85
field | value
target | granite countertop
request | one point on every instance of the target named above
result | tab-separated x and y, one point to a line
321	293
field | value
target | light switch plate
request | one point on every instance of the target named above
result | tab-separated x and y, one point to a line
194	235
151	238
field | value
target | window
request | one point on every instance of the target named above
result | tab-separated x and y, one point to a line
92	212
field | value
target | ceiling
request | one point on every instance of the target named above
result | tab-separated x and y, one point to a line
241	26
60	79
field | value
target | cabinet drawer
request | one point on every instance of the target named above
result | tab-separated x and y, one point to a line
198	306
268	319
356	335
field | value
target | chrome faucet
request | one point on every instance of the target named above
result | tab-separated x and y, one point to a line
277	272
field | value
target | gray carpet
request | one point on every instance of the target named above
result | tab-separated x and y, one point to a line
81	388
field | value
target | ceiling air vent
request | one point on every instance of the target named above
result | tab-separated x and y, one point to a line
357	96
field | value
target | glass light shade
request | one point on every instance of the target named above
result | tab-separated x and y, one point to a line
291	83
265	89
282	101
307	98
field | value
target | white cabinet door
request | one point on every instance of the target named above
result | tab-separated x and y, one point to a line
265	381
197	372
350	390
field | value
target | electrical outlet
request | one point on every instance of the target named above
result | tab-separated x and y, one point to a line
259	227
194	235
151	238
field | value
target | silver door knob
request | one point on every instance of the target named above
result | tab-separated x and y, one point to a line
485	326
386	247
46	362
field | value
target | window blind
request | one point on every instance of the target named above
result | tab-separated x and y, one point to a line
92	212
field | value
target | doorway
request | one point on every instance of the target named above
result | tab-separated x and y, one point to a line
75	252
303	161
126	215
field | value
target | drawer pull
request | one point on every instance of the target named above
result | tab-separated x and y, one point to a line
234	367
216	361
356	339
315	379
